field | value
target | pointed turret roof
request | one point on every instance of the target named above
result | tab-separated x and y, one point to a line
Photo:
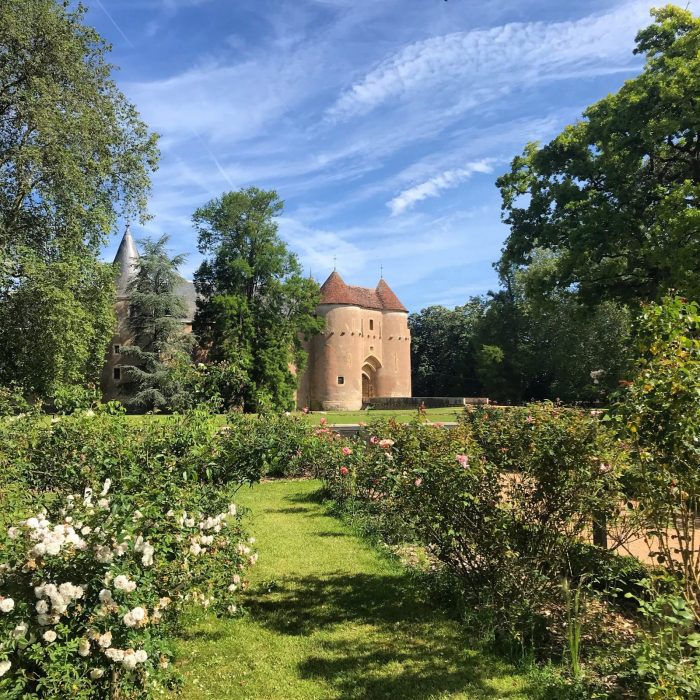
126	260
335	291
390	302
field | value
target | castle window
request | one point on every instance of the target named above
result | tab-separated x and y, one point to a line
371	325
341	380
117	373
117	349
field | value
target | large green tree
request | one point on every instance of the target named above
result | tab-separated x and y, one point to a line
161	347
615	196
74	156
73	152
255	305
54	323
443	354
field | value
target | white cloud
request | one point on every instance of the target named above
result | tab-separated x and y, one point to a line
486	62
436	184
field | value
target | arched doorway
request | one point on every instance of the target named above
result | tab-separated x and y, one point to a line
367	388
369	373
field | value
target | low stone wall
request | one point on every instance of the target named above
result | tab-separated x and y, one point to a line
396	403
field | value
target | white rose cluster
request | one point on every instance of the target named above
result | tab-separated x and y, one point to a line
53	601
50	539
93	537
128	658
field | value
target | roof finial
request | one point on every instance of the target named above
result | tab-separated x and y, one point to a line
334	262
381	272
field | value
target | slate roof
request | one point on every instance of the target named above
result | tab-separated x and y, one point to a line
126	260
335	291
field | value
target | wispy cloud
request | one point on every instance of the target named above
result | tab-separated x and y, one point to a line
491	60
435	185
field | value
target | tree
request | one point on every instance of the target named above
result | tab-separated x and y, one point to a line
73	152
254	303
74	155
442	349
615	196
538	342
54	323
160	352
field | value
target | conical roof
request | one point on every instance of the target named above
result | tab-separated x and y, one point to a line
390	302
126	261
335	291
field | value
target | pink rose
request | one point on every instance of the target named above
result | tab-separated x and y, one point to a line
343	471
418	481
386	443
463	460
374	439
347	451
323	421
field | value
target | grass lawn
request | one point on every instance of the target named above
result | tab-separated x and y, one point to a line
330	617
436	415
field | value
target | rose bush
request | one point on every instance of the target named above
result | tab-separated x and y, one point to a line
92	587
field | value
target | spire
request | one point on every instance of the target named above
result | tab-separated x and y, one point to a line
125	260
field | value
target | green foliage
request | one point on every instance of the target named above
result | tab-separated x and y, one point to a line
55	319
13	401
68	399
501	501
658	413
443	351
254	303
615	195
525	342
74	153
159	378
666	658
152	515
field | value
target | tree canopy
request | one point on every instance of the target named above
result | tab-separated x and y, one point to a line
255	304
73	152
160	352
615	196
74	155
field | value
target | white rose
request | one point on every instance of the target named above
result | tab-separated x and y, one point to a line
129	660
115	654
42	607
105	640
96	673
7	605
84	647
141	656
4	667
49	636
13	533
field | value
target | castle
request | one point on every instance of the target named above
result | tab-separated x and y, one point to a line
363	352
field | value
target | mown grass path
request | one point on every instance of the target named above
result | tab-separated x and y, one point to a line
330	617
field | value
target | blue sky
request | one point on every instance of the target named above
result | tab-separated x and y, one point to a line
381	123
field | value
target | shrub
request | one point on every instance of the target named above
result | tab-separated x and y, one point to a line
68	399
658	414
502	501
93	585
665	661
